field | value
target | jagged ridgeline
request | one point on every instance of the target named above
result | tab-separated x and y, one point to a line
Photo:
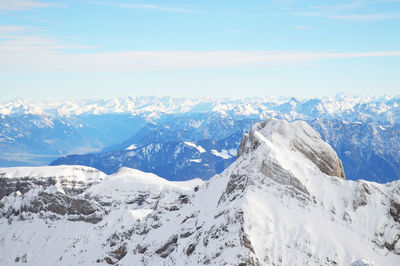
284	201
181	139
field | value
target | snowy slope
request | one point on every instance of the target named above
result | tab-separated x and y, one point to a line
284	201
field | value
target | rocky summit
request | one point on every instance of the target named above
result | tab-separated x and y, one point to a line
284	201
298	136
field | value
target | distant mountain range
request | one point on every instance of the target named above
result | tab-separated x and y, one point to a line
152	133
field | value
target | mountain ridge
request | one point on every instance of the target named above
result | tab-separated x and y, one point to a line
341	106
272	206
38	133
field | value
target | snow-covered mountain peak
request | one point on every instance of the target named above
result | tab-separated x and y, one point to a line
279	186
287	141
343	106
127	182
149	180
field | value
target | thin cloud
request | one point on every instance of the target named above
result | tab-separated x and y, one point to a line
300	27
21	5
358	17
237	31
360	4
345	6
24	43
356	11
145	7
28	38
383	16
43	60
7	29
9	32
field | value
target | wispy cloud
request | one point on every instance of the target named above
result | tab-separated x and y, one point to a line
27	49
300	27
28	38
352	16
53	60
345	6
20	5
236	31
362	10
144	6
382	16
8	29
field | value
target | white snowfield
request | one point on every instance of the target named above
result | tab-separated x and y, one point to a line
225	154
199	148
275	205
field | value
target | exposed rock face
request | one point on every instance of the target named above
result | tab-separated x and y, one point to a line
54	205
367	150
71	180
275	205
22	185
301	137
49	192
362	262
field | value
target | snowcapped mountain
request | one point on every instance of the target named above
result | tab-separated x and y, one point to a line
367	150
284	201
342	106
98	132
174	160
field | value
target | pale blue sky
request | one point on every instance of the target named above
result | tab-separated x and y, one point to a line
102	49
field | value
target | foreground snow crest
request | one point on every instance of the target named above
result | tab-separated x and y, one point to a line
284	201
